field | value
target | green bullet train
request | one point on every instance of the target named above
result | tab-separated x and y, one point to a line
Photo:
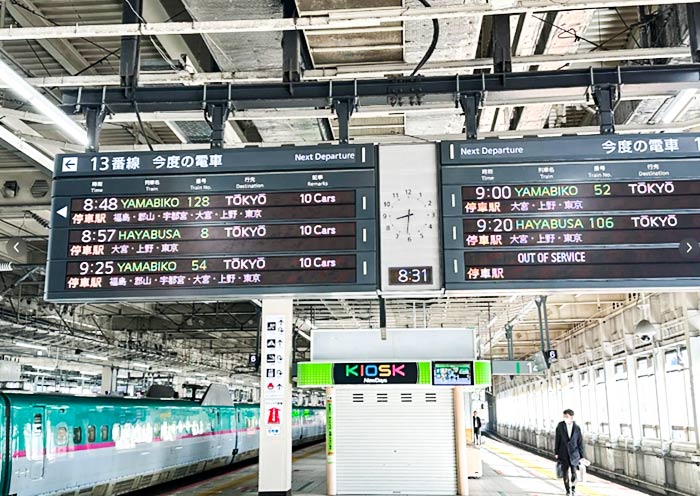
104	446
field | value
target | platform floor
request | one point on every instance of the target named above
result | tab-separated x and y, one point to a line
508	471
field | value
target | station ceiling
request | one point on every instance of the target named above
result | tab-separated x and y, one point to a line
221	335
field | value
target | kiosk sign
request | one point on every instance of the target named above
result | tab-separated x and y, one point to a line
375	373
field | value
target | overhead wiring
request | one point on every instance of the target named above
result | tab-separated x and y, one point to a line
143	128
433	44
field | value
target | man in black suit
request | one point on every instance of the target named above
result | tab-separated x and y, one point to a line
569	450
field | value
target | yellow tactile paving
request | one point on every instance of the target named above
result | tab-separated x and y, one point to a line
508	471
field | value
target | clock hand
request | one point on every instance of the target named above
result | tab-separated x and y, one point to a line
408	221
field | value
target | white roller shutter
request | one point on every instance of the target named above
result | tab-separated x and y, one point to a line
395	441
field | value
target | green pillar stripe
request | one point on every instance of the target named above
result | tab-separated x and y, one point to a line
313	374
425	372
482	373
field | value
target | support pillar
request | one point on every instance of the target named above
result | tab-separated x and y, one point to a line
219	115
662	402
291	47
275	470
501	44
94	118
470	103
613	414
130	56
109	380
694	30
344	107
635	418
694	355
331	478
461	441
509	338
606	97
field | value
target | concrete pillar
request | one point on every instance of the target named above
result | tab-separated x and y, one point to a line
613	413
637	431
109	380
461	441
661	396
275	470
694	355
331	480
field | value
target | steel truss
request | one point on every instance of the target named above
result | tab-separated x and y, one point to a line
397	93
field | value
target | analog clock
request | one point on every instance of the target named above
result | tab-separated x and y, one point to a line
409	215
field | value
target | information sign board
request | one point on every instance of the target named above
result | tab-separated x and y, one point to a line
576	212
211	224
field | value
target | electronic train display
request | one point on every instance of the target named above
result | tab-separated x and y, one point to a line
573	217
259	221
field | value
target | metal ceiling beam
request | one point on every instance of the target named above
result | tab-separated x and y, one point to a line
358	71
61	50
328	20
25	148
432	90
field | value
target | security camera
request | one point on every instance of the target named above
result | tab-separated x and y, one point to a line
645	330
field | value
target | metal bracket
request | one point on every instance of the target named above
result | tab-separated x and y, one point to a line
130	57
219	115
94	118
693	10
470	103
501	45
291	47
509	338
382	318
344	108
606	97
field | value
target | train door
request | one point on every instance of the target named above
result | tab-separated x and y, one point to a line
36	449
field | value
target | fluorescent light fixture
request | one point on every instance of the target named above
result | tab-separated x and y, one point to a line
493	321
199	374
22	344
95	357
513	298
677	106
140	365
42	104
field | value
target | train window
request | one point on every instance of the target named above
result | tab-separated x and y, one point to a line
92	434
116	432
77	435
61	436
104	433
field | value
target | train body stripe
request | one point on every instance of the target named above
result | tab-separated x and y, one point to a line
112	444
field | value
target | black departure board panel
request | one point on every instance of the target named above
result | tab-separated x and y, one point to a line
213	224
576	212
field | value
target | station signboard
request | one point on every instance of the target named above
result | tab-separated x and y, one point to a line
391	372
594	212
213	223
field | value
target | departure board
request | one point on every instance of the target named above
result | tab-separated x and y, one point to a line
213	224
595	212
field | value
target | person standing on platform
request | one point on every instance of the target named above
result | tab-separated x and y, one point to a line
476	421
568	450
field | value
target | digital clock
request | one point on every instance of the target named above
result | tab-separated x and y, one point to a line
410	275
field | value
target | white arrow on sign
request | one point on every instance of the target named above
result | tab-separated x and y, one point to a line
16	247
63	212
690	247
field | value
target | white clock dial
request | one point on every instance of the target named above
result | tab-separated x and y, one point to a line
409	215
409	220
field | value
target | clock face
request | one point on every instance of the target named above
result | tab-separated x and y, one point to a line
409	216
